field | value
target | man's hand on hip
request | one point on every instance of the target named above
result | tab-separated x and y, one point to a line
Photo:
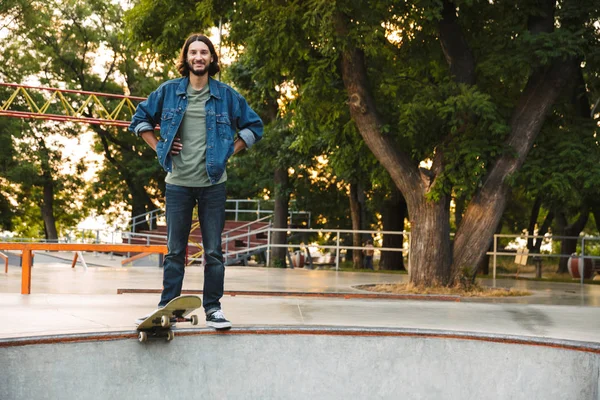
176	147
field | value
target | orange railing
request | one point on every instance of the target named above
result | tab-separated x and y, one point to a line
5	258
27	249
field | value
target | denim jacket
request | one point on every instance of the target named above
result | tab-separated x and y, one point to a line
226	112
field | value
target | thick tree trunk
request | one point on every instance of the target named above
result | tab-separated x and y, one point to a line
280	216
430	250
487	206
393	214
355	212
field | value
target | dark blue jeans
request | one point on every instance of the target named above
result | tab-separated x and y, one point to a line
181	201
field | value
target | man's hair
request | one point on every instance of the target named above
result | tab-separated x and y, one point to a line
182	62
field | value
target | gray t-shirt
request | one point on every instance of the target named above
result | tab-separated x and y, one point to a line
189	166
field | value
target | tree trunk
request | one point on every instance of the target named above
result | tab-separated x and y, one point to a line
355	212
47	208
460	203
430	250
455	47
569	246
596	213
484	266
534	245
365	214
393	214
280	216
542	231
535	212
487	206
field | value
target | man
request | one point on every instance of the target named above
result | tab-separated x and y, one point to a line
368	251
199	117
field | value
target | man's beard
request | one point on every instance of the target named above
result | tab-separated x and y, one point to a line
198	73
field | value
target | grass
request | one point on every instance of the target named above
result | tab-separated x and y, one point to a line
457	290
549	277
377	271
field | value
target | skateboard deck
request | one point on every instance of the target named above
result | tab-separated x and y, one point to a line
159	323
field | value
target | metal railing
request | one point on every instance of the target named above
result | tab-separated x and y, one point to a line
338	246
151	217
581	244
232	206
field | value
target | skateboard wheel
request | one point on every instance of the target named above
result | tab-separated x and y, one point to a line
170	336
142	337
165	321
194	319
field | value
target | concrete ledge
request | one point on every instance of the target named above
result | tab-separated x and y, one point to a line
299	363
574	345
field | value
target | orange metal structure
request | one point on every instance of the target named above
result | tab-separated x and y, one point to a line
27	249
75	106
5	258
68	105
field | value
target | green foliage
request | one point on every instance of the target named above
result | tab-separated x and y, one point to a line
564	164
297	45
81	44
423	110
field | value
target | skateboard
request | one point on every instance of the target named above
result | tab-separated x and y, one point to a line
159	323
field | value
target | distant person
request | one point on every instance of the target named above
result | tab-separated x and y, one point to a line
199	118
368	251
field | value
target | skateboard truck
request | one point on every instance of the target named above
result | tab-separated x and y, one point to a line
159	323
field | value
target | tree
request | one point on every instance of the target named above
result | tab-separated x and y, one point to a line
464	85
563	170
81	44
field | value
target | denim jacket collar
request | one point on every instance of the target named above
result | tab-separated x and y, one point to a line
212	87
214	90
182	88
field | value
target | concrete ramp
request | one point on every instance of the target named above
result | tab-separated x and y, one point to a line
299	363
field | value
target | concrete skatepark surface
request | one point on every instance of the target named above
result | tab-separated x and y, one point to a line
74	337
301	363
